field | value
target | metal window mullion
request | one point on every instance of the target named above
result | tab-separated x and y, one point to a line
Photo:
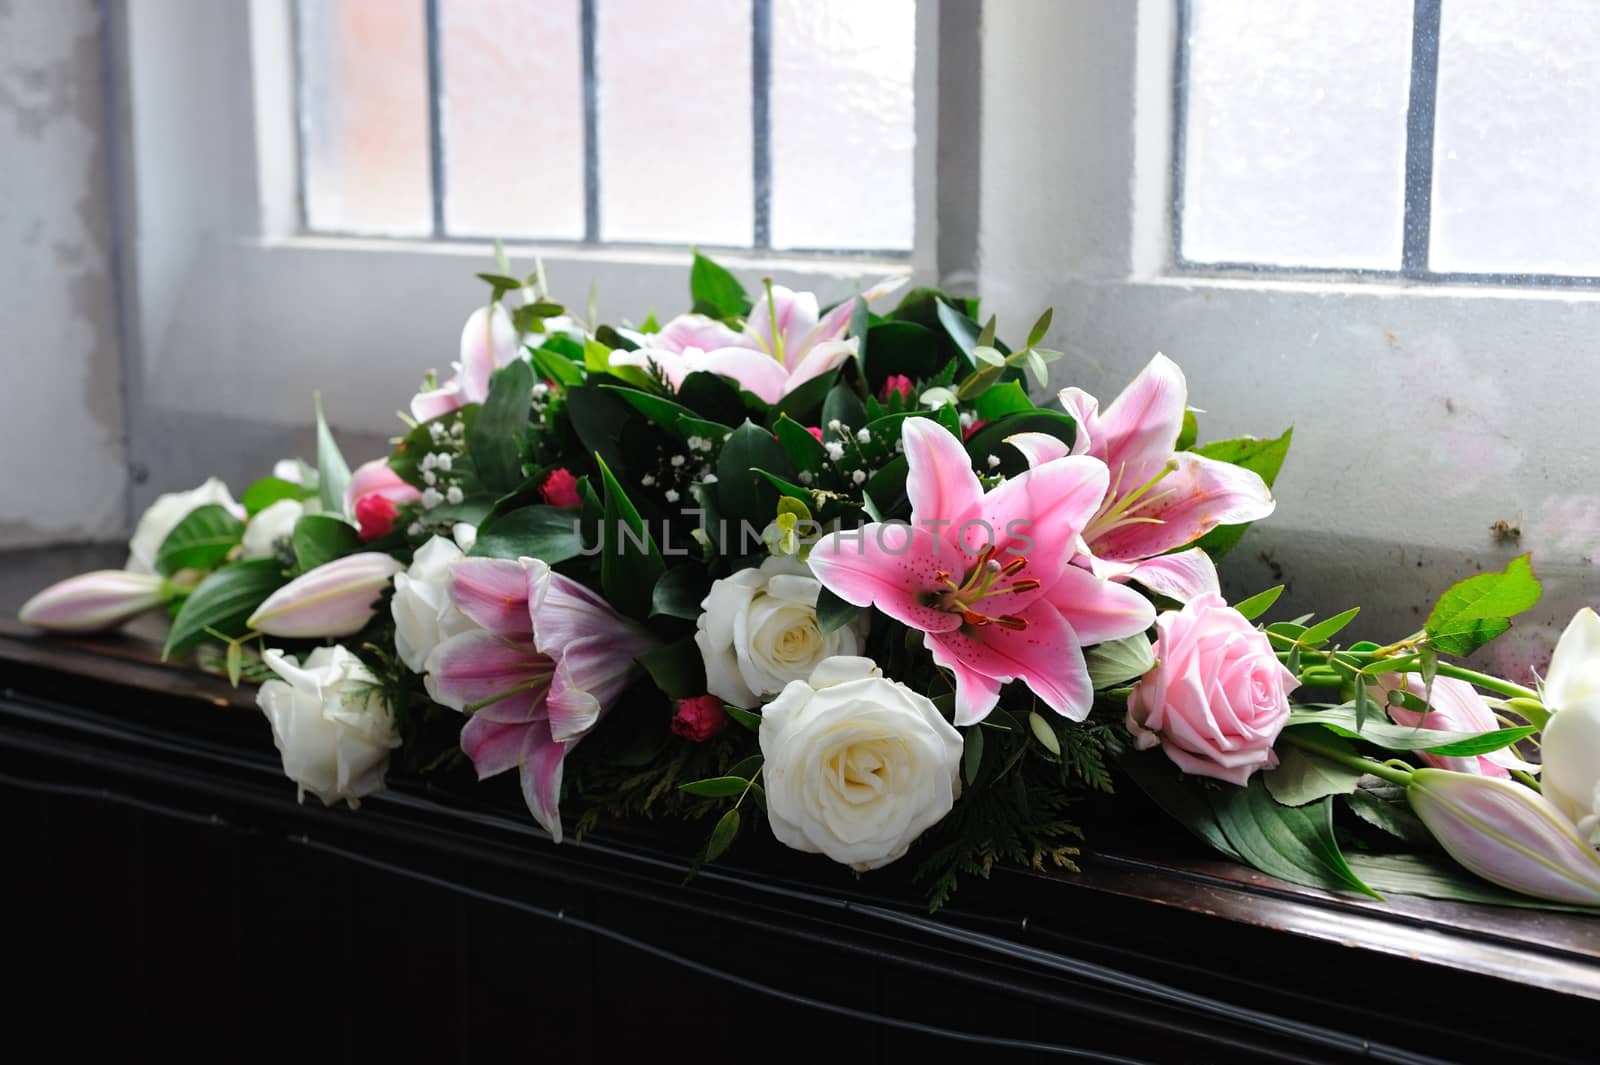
1420	109
761	120
436	171
591	126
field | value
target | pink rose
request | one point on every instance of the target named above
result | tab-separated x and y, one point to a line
700	718
897	384
560	489
374	497
1217	697
816	432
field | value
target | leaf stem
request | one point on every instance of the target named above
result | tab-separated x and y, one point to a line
1386	771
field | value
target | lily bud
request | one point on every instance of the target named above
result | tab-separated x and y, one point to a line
1508	834
337	598
90	602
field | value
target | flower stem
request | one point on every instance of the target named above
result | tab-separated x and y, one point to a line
1393	774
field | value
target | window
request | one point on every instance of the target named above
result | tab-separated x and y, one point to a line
1445	140
761	124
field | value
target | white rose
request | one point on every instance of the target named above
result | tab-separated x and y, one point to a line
164	515
758	631
334	732
424	614
857	766
269	525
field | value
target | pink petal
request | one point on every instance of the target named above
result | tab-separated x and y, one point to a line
1097	609
1181	576
1187	503
541	780
426	406
796	317
493	592
754	371
939	480
1036	515
1137	433
889	566
488	340
698	331
375	478
670	364
836	322
821	359
1085	410
1046	655
1039	448
976	694
492	746
474	666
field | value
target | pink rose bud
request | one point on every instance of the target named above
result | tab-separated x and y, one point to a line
700	718
90	602
337	598
560	489
1508	834
1217	697
897	384
371	487
815	431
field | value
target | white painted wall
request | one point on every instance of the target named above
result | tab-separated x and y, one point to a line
1421	415
61	423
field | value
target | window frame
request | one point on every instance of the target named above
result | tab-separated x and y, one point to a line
1417	221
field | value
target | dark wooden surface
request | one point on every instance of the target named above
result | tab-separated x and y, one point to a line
163	880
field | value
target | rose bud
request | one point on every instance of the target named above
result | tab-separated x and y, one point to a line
700	718
897	384
90	602
374	497
1506	833
560	489
337	598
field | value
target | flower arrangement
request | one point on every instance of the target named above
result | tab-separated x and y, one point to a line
835	570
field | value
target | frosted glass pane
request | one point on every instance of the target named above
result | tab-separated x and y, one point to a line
1296	132
675	138
513	117
364	65
1516	155
842	130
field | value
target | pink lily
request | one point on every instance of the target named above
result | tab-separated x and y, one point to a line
548	660
987	577
785	343
1453	706
488	341
1160	499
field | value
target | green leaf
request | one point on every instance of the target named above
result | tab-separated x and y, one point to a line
1114	662
716	787
715	291
901	348
500	284
743	493
1370	803
1182	799
497	437
1264	457
1003	399
200	541
269	490
1475	611
598	416
833	612
320	538
722	835
1189	433
1044	733
972	754
1342	720
558	367
1437	878
989	440
747	718
1041	327
333	473
630	562
679	592
804	404
223	602
537	531
1293	843
1304	776
676	668
805	451
1324	630
671	416
1259	603
963	331
715	398
845	407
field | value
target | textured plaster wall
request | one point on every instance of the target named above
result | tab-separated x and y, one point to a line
61	421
